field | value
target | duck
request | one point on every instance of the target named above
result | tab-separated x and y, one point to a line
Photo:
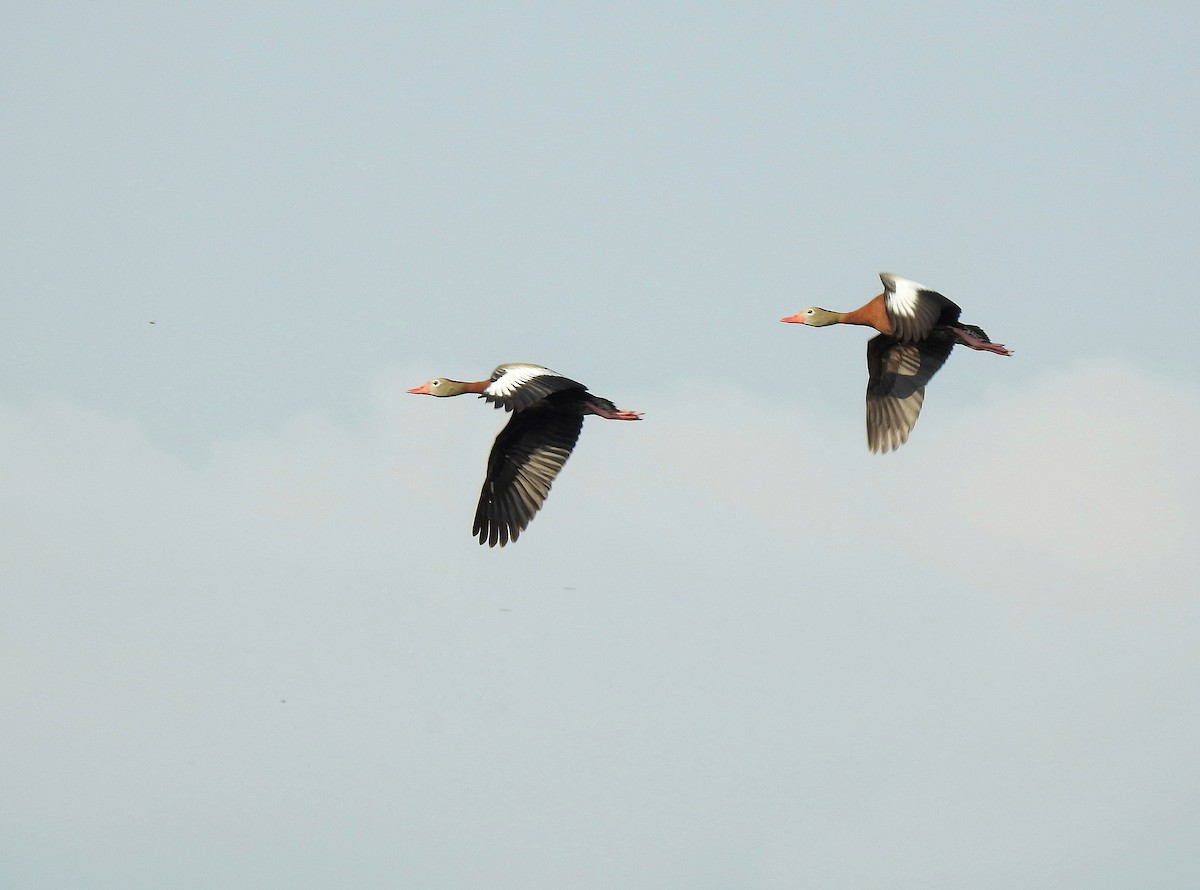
918	328
528	454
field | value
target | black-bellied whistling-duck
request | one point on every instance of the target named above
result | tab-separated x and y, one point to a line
917	329
548	411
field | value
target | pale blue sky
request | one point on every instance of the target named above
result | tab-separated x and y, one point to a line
246	638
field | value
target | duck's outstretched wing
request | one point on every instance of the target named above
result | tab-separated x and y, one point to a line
897	373
527	456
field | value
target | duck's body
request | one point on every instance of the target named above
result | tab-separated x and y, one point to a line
548	411
918	328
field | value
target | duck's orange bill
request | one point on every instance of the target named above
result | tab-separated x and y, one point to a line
422	390
796	319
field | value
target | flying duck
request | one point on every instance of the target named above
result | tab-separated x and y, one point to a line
917	328
547	415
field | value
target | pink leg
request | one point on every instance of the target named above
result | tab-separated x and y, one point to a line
601	411
983	345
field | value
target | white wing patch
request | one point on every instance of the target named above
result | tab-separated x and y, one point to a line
902	295
913	309
507	379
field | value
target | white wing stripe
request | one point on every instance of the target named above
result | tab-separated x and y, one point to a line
902	297
514	378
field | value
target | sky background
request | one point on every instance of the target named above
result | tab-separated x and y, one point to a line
246	637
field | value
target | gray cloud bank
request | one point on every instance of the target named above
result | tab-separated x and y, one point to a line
734	650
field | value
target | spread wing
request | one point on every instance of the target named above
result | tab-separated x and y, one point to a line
897	374
527	456
515	387
914	309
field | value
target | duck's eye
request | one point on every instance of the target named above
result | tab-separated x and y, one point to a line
808	312
433	383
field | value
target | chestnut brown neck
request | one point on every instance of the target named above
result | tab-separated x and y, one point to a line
872	315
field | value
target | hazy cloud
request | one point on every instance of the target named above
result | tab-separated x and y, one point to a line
293	655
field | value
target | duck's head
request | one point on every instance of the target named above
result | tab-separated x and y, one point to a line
440	386
815	316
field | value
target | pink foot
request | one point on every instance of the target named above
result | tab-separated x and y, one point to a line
982	345
601	411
